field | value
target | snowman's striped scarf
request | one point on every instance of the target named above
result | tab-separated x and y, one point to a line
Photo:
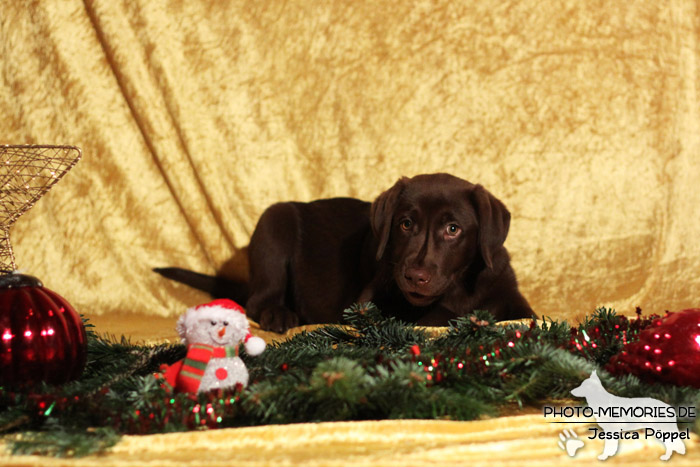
195	362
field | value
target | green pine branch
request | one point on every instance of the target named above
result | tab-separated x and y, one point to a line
372	367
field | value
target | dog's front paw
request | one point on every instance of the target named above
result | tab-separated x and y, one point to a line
278	319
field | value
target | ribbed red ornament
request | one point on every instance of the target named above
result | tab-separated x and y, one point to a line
42	338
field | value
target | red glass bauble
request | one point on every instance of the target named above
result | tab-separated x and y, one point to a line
42	338
668	351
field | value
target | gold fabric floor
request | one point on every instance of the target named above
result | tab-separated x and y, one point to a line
521	440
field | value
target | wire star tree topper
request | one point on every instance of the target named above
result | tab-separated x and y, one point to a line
27	172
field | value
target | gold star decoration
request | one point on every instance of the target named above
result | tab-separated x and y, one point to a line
27	172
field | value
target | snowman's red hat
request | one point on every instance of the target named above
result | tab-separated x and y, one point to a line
223	303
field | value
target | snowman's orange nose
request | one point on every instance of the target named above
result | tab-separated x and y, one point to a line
222	332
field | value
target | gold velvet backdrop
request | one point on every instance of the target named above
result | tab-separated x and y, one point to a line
583	116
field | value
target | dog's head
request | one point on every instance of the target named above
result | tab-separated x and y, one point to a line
588	386
432	229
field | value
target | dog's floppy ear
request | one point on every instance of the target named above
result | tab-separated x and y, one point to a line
382	214
494	222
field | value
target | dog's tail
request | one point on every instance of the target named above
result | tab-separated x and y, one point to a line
216	286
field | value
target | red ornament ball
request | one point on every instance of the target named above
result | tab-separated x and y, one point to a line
668	351
42	338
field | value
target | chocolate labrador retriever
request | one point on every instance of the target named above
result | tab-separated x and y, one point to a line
427	250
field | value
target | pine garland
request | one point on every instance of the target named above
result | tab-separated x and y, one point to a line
371	368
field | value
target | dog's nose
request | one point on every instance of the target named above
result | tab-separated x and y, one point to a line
417	276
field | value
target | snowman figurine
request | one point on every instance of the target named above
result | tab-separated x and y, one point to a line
212	333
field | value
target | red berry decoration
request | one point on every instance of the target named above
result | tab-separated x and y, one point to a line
668	351
42	338
415	350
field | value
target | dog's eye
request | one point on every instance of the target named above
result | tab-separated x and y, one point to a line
453	230
406	224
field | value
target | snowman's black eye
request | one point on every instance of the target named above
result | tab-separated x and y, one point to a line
213	323
225	323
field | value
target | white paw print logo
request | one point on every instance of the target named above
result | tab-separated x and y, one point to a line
569	442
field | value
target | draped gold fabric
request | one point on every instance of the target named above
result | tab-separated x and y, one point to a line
583	116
